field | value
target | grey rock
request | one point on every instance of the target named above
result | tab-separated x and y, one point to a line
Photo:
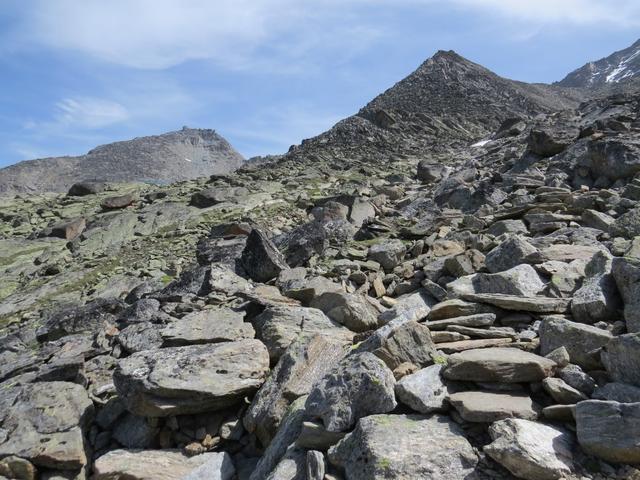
431	172
560	355
367	452
278	326
526	304
261	259
304	363
388	253
139	337
316	465
521	280
626	225
409	342
609	430
562	392
132	431
206	326
580	340
617	392
509	254
487	407
213	196
574	376
621	358
597	299
531	450
626	272
192	379
479	320
314	436
354	311
82	189
360	385
502	227
423	391
217	466
503	365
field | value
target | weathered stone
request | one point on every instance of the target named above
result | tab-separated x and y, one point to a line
504	365
140	336
562	392
430	171
261	259
316	465
207	326
192	379
627	225
464	345
165	464
597	299
388	254
531	450
354	311
213	196
521	280
526	304
423	391
18	468
457	308
487	407
621	358
609	430
132	431
409	342
120	201
626	272
575	377
360	385
509	254
82	189
304	363
507	226
617	392
479	320
314	436
308	289
277	327
67	230
580	340
368	453
44	423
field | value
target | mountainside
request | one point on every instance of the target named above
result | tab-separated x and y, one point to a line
171	157
618	67
393	299
448	101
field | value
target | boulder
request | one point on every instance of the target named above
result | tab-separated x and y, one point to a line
165	464
261	259
384	446
115	203
423	391
360	385
621	358
509	254
521	280
617	392
487	407
512	227
615	158
531	450
213	196
478	320
304	363
206	326
66	230
597	300
191	379
583	342
562	392
526	304
82	189
278	326
609	430
44	423
503	365
407	343
388	254
354	311
627	225
431	172
626	272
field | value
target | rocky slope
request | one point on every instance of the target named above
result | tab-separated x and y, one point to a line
462	312
160	159
618	67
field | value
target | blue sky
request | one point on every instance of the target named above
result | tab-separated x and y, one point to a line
264	73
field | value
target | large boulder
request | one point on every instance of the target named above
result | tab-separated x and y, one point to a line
597	299
408	342
583	342
206	326
261	259
627	225
626	272
521	280
621	358
504	365
384	446
304	363
191	379
360	385
616	157
609	430
354	311
424	391
82	189
531	450
388	253
45	424
165	464
278	326
509	254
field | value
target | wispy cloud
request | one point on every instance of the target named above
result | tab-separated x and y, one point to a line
88	112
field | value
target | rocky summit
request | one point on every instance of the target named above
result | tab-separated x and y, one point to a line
161	159
445	286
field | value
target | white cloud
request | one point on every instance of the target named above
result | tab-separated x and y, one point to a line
89	112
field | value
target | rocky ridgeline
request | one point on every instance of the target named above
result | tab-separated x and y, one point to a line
467	313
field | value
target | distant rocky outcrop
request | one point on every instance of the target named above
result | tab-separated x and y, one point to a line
159	159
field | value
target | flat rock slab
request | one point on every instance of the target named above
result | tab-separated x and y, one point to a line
207	326
487	407
192	379
44	422
531	450
609	430
165	464
526	304
504	365
479	320
405	447
464	345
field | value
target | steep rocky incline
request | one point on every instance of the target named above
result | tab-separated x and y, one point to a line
470	313
618	67
160	159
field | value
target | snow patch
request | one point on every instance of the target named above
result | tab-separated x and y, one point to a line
620	72
187	159
481	143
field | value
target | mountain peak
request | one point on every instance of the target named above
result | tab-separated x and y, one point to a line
618	67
